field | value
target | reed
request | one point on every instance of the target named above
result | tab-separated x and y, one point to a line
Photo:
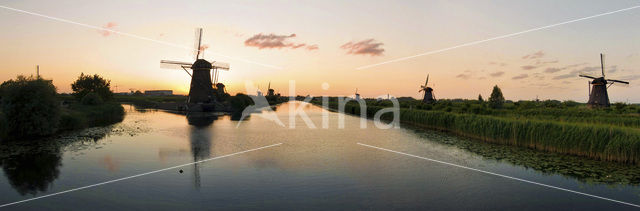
600	141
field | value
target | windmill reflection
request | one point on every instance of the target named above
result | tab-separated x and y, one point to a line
200	140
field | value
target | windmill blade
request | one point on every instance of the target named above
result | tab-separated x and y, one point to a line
617	81
602	63
220	65
425	83
198	43
587	76
167	64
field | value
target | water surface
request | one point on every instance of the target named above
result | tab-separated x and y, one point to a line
314	168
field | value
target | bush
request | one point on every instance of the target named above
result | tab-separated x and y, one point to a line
86	84
3	126
91	99
30	107
240	102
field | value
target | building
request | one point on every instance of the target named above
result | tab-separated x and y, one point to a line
158	92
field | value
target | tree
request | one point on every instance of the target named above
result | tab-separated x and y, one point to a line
30	107
497	99
480	99
86	84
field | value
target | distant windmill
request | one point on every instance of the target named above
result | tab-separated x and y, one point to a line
357	95
598	95
428	92
270	91
201	89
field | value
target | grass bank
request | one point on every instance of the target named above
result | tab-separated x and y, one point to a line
78	116
610	142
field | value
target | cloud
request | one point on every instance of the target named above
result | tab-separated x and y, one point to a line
518	77
107	29
273	41
539	62
632	77
529	67
552	70
535	55
570	74
464	76
501	64
366	47
565	76
558	69
312	47
497	74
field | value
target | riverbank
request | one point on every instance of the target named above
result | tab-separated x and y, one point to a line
231	104
74	116
602	139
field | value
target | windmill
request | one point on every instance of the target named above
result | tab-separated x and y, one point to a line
357	95
201	89
598	95
428	92
270	91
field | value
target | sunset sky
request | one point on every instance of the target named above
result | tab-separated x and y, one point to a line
313	42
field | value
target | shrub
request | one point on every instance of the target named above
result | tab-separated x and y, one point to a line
30	107
497	99
240	102
91	99
86	84
3	126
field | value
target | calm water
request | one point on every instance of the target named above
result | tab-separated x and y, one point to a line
312	169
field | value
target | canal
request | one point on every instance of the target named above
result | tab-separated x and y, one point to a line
320	167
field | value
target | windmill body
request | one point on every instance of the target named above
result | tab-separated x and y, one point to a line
357	95
428	92
201	89
598	94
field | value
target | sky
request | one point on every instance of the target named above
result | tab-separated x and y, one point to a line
318	42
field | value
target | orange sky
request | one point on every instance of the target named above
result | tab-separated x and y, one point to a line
377	31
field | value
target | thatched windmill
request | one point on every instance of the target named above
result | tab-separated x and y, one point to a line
201	89
598	95
428	92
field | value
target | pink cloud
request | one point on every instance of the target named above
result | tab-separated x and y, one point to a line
366	47
107	29
273	41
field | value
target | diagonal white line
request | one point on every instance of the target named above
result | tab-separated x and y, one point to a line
502	175
134	36
138	175
496	38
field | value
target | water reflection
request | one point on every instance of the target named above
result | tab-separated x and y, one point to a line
200	140
32	170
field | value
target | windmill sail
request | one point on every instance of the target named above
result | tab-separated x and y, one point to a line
174	64
197	43
602	63
220	65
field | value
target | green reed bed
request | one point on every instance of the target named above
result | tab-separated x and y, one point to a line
599	141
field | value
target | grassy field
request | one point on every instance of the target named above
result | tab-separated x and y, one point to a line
611	134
